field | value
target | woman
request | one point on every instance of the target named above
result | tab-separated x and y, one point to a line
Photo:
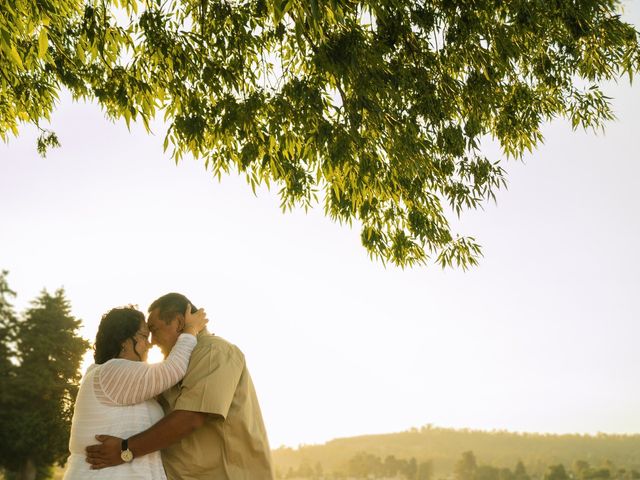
116	393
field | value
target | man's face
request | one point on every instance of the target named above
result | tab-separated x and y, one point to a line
164	335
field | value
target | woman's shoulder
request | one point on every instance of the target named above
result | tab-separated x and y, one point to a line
117	364
120	361
91	368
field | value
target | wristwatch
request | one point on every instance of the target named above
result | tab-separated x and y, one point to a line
125	454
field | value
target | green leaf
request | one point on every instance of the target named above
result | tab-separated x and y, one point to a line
43	42
15	56
314	10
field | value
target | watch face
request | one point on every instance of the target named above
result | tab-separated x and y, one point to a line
126	455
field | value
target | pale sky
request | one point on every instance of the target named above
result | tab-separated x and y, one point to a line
542	336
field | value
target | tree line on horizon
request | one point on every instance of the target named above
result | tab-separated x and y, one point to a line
443	446
40	357
369	466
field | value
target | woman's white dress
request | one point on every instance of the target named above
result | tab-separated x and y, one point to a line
116	398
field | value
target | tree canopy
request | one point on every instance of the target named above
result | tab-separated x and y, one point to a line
377	109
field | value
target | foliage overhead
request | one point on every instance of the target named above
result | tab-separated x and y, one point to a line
375	108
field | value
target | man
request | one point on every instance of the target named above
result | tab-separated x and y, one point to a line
213	428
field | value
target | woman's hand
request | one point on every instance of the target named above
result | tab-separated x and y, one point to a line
194	322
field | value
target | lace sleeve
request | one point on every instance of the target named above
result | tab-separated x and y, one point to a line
124	382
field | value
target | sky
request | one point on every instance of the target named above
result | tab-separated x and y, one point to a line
542	336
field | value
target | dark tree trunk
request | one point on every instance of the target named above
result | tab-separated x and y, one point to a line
28	471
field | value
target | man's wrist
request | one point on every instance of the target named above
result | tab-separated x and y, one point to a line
125	452
135	447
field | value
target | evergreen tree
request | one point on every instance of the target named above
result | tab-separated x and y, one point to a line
305	470
487	472
425	470
7	323
580	468
390	466
520	472
506	474
596	474
466	467
556	472
364	464
7	367
38	412
411	469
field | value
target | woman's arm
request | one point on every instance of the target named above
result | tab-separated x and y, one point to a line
124	382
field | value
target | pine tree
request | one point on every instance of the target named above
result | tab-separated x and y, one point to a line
7	319
556	472
41	392
7	368
521	472
425	470
466	467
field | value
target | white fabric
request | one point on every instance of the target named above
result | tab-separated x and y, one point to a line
116	398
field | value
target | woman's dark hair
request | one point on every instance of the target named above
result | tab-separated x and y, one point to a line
116	326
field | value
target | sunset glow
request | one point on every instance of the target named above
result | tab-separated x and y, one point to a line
540	337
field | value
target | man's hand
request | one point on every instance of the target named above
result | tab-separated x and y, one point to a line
106	453
170	429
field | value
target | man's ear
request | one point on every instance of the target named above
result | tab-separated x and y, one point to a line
180	318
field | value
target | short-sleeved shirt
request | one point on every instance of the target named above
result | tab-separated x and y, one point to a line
232	444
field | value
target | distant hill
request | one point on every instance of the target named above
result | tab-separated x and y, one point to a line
444	448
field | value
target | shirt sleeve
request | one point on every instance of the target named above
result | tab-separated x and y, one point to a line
125	382
211	383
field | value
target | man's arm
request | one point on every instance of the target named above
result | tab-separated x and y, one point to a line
175	426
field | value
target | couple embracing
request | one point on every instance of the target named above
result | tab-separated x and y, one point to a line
194	416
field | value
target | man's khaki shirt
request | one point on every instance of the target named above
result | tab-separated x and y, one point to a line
232	444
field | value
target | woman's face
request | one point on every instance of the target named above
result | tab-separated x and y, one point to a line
139	350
